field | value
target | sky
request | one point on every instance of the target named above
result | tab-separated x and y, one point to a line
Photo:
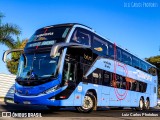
131	24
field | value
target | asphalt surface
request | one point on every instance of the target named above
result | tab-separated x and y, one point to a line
18	111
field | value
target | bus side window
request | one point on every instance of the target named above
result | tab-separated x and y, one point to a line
106	78
97	76
81	36
99	46
137	86
143	66
123	82
135	62
126	58
118	81
87	79
133	85
118	54
111	50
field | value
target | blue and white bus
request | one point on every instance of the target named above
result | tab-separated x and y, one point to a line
71	65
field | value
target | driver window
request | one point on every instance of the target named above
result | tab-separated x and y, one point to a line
81	36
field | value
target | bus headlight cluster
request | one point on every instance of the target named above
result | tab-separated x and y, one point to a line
51	90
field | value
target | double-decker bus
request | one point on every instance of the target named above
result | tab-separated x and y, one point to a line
71	65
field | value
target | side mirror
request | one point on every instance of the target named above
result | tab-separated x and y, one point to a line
55	48
9	51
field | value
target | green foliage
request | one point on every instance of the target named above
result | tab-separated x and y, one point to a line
7	31
12	64
156	61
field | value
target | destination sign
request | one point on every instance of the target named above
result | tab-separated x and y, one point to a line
51	42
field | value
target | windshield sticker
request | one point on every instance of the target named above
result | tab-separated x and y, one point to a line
45	34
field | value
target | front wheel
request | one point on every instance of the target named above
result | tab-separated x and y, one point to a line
88	104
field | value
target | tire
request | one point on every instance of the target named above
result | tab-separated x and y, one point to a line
147	105
141	105
54	108
88	104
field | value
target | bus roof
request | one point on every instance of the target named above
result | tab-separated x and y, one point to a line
66	24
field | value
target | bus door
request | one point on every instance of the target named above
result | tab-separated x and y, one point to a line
69	79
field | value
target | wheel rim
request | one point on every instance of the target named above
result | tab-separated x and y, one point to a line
87	103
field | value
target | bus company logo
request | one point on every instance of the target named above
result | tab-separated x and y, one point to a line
98	49
45	34
20	115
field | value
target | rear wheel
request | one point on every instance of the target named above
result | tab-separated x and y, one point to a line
141	105
147	105
88	104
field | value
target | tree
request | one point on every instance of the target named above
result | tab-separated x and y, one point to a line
6	33
156	61
12	64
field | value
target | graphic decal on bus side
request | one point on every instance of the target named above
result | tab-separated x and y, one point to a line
123	66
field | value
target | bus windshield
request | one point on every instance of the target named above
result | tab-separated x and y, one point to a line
38	66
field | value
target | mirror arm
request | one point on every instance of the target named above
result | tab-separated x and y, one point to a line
9	51
55	48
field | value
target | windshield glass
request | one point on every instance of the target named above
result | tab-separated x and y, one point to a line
48	36
39	66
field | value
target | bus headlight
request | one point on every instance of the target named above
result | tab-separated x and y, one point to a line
50	90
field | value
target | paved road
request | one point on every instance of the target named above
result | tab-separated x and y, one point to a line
32	110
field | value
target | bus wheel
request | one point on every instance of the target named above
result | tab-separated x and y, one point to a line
147	105
141	105
88	104
54	108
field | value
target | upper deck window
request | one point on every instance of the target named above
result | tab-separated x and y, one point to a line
126	58
144	66
100	46
135	62
81	36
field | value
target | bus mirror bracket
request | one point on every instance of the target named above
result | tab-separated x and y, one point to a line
9	51
55	48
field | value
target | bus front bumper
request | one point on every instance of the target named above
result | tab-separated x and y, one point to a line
41	99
